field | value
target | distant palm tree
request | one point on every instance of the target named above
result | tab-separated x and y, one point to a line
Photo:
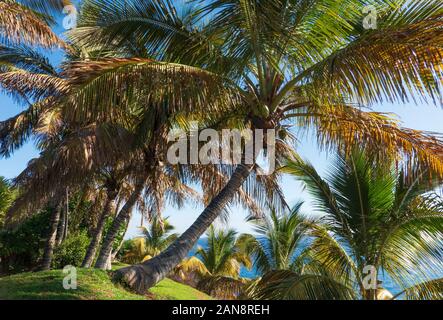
376	220
278	241
222	255
156	238
262	64
218	264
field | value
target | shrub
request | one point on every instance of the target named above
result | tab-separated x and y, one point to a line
21	248
72	250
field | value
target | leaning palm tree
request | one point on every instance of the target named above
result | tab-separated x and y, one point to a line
375	223
310	64
218	264
279	240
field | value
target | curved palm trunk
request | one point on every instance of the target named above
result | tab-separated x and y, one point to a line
50	242
98	232
124	214
143	276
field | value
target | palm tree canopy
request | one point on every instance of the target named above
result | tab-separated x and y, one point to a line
279	241
222	255
158	236
374	216
308	62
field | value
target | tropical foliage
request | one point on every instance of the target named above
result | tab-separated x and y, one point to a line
279	240
157	237
7	195
218	264
376	222
133	71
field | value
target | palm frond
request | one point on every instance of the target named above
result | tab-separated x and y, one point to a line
21	25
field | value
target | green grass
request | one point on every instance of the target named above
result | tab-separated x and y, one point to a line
168	289
92	284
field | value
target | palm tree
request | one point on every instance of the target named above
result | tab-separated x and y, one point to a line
112	183
28	22
279	241
265	64
268	63
375	220
218	264
155	239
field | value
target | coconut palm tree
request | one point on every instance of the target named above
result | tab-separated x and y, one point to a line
155	239
279	240
218	264
222	255
375	223
310	64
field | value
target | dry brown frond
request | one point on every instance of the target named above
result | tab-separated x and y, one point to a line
19	24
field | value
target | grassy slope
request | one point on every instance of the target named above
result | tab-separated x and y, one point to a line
92	285
168	289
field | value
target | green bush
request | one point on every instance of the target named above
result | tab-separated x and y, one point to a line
21	248
72	250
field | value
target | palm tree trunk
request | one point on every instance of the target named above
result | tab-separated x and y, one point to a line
60	230
98	232
143	276
115	252
50	242
124	214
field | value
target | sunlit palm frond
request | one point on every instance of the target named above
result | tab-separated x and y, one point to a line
222	287
287	285
68	163
17	130
429	290
22	25
388	63
149	84
378	218
348	127
27	58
